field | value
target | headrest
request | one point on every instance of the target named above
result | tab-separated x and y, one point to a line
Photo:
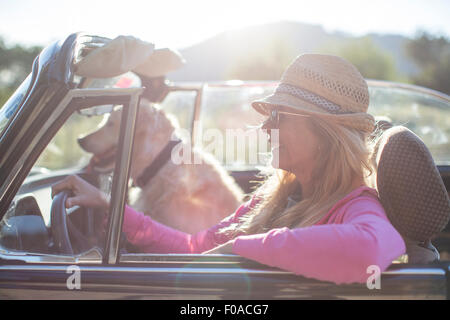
410	187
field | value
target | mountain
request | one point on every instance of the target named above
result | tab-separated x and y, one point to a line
212	59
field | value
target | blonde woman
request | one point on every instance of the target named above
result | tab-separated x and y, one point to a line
316	215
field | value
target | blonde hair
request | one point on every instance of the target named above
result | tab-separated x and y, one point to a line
344	154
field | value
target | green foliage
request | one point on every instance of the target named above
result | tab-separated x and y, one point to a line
63	151
5	93
432	55
15	65
372	61
267	62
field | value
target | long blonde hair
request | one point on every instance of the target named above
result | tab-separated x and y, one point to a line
344	155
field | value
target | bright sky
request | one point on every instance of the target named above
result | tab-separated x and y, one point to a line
182	23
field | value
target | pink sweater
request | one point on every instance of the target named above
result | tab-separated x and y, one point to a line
352	236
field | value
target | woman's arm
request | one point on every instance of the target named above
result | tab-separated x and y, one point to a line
154	237
339	253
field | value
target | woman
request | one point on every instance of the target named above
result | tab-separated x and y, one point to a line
316	216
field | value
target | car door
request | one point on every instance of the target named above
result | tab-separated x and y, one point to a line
38	144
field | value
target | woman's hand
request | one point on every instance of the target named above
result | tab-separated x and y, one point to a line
84	194
226	248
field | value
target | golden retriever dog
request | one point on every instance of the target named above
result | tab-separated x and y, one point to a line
187	197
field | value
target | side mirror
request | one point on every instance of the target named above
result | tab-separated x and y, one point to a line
27	205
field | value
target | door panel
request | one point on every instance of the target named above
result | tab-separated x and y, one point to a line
181	281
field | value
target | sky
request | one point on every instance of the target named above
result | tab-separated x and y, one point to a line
179	24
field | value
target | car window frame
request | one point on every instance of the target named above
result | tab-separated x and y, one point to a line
73	101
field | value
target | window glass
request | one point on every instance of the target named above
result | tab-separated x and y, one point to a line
424	114
180	105
228	109
84	145
10	107
64	150
126	80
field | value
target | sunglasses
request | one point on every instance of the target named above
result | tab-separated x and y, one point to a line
274	118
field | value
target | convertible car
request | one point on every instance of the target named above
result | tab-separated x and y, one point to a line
43	244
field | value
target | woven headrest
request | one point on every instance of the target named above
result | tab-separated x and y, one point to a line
410	187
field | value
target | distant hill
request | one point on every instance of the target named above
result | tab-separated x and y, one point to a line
210	59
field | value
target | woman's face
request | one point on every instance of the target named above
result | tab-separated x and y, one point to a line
297	146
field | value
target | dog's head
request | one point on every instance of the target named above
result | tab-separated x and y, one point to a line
153	130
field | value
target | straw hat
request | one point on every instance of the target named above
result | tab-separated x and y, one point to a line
325	86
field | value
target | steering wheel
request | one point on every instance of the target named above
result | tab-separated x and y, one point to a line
61	226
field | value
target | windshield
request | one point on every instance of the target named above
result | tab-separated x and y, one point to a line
426	115
64	151
226	111
228	108
10	107
126	80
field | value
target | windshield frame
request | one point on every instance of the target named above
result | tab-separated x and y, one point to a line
9	109
407	86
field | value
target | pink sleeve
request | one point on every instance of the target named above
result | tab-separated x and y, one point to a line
339	253
153	237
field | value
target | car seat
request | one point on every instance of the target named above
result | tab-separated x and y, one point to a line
411	191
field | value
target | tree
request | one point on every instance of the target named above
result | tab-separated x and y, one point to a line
268	61
432	55
372	61
15	65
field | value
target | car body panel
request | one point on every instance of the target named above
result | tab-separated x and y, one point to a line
209	281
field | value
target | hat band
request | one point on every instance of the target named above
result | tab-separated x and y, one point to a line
311	97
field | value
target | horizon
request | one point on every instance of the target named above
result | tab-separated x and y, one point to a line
23	19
